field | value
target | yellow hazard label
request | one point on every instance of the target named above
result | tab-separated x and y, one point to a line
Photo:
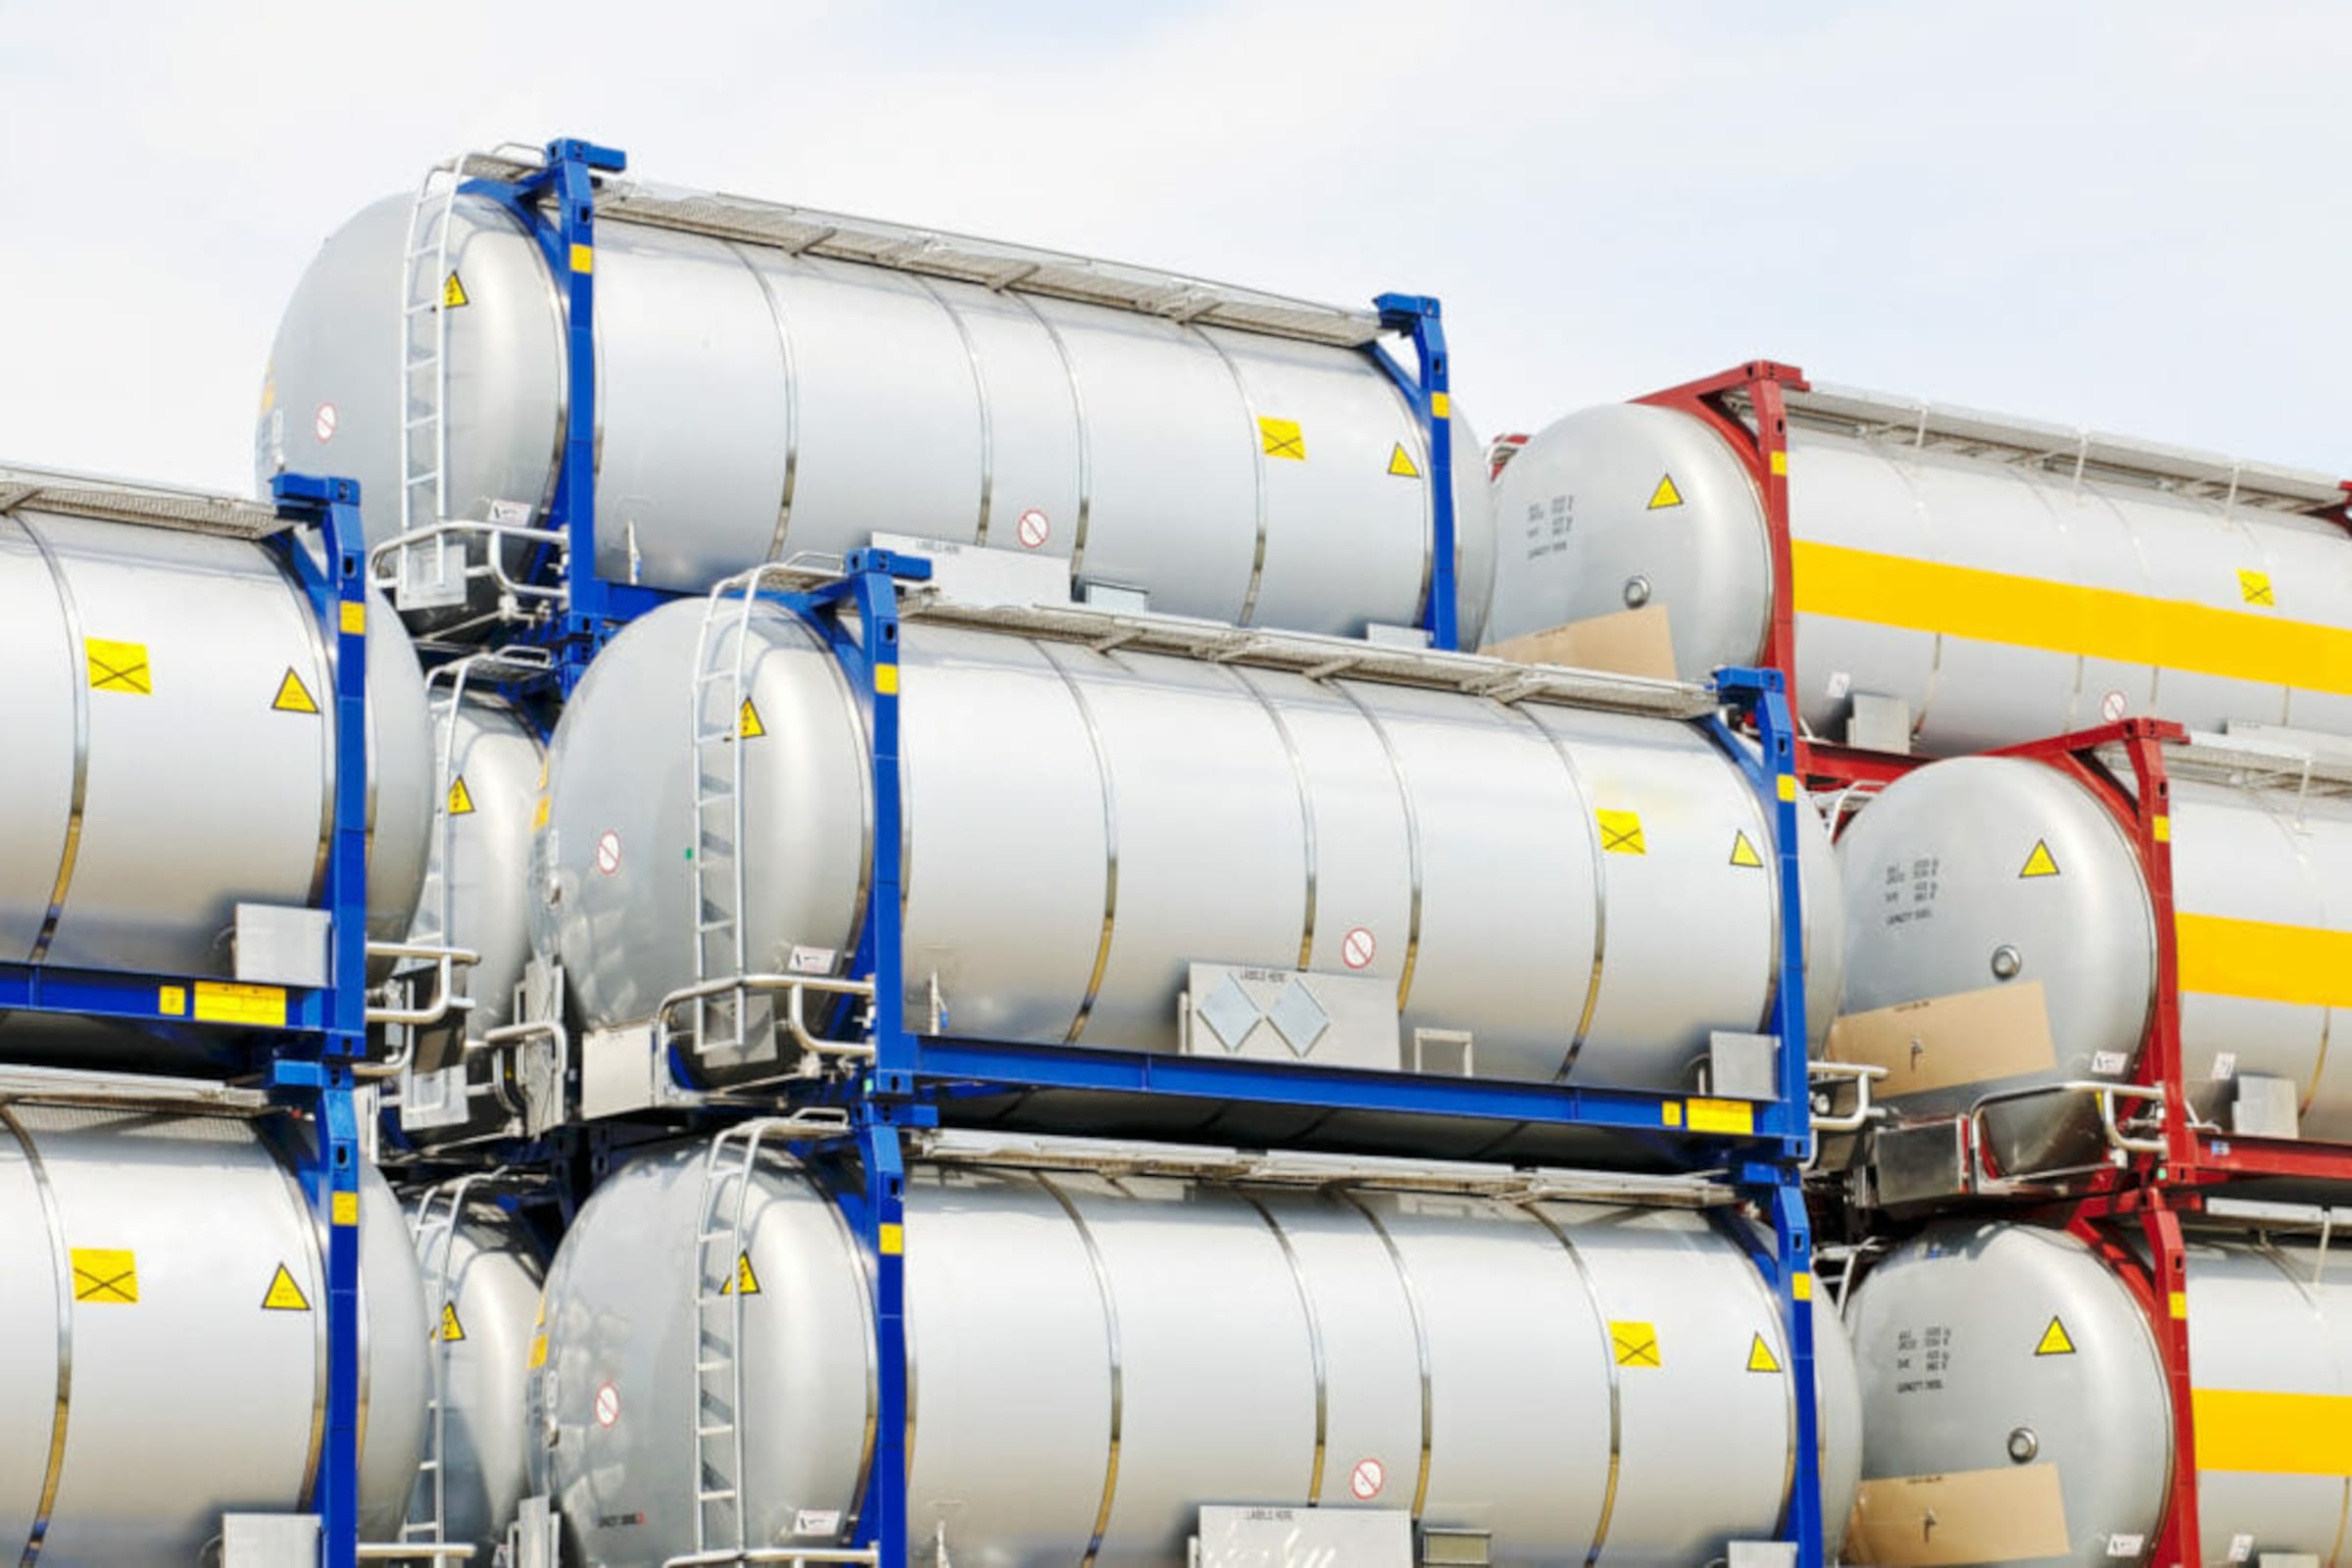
105	1274
352	615
2041	863
747	723
453	293
538	1350
745	1280
1760	1358
1620	832
220	1001
1743	851
1665	495
2056	1341
293	697
1735	1116
452	1331
283	1294
892	1239
2254	587
117	667
461	799
1401	464
1281	438
1635	1344
172	1001
344	1209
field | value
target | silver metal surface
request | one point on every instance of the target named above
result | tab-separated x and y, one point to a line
1257	1327
1030	765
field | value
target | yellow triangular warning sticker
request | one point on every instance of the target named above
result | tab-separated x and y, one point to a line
2054	1341
2040	862
453	293
1665	495
1760	1358
452	1330
283	1294
461	799
1400	464
746	723
1744	852
293	697
745	1280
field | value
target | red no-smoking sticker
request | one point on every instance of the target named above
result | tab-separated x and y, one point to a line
608	852
1033	529
324	422
607	1405
1366	1480
1356	947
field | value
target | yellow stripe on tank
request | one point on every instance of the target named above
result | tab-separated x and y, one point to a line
1997	607
2220	957
2273	1433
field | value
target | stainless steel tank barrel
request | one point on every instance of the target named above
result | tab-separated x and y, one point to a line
758	400
2001	581
1081	826
163	1338
1094	1358
2004	893
166	697
2015	1407
483	1273
490	771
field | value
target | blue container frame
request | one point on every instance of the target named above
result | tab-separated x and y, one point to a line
308	1061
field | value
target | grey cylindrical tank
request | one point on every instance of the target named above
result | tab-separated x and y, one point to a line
754	405
1940	902
1093	1359
1704	554
477	872
1080	826
163	1343
169	698
2016	1371
483	1279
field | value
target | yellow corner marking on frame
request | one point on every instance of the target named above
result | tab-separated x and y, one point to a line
2041	863
538	1352
2179	1306
1441	406
172	1001
109	1274
2161	828
1620	832
2254	587
747	723
886	679
1787	787
1800	1285
1779	463
2056	1341
117	667
293	697
1670	1114
222	1002
1401	464
893	1241
1635	1344
1760	1358
583	259
453	294
1665	495
344	1209
1281	438
1744	852
353	617
1735	1116
283	1294
539	816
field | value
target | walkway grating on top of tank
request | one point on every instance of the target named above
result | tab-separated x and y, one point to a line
120	501
2084	454
933	252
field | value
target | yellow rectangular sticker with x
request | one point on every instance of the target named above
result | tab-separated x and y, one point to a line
1621	832
1281	438
105	1274
1635	1344
117	667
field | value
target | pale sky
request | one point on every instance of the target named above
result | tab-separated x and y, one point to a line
2127	215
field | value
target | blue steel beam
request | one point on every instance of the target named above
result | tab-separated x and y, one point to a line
1420	316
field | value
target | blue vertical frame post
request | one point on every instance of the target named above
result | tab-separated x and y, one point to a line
1776	1188
1421	317
338	594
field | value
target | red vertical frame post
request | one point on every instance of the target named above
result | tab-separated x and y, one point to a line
2160	1285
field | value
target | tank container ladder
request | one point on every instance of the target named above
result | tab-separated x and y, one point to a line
436	1235
716	724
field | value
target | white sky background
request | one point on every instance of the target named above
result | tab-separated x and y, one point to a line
2130	215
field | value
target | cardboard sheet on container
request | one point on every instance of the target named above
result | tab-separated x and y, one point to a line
1629	642
2012	1514
1970	1037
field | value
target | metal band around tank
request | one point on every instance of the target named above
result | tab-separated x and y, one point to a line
1412	841
1608	1359
1110	1334
1600	899
1413	1303
69	611
1085	431
1315	1344
792	399
1258	460
988	423
1111	843
62	1270
1306	811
